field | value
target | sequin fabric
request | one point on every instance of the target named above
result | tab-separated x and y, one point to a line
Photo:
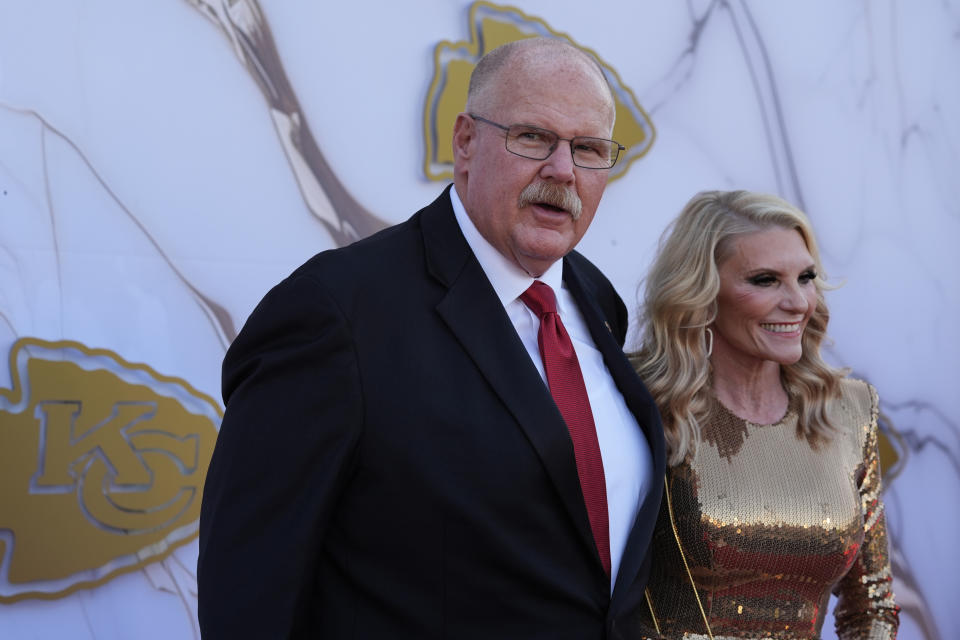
767	525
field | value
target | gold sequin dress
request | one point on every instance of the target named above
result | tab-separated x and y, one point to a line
767	526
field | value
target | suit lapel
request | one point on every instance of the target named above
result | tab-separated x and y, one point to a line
641	404
474	314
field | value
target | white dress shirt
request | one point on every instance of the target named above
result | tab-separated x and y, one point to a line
627	464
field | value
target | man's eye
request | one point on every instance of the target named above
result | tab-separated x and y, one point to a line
531	136
589	149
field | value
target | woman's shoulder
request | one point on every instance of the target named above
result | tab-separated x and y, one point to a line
857	408
861	392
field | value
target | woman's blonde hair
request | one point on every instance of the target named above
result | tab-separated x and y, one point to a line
680	302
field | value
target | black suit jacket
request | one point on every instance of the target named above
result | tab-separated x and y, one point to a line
391	464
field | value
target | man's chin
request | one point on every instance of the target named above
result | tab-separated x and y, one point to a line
536	263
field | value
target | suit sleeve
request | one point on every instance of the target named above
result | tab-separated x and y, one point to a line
865	606
283	454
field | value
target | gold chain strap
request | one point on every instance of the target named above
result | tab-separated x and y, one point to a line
683	557
653	616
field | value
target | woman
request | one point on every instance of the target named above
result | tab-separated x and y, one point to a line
773	488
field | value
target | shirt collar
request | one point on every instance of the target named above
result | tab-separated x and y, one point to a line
508	279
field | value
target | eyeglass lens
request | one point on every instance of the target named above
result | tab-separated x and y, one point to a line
537	144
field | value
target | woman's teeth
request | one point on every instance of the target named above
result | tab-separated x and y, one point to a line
781	328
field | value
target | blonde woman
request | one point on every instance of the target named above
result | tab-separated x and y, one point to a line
773	485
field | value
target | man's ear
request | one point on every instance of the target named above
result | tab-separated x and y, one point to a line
464	134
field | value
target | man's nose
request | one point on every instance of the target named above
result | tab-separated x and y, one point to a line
559	166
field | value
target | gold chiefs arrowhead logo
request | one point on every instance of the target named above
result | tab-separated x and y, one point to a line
102	464
490	26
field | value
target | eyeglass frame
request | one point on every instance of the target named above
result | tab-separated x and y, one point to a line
573	157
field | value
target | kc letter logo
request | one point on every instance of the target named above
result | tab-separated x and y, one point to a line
102	464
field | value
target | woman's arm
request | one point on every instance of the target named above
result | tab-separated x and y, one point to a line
866	607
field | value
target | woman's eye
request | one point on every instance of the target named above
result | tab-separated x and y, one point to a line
808	276
764	280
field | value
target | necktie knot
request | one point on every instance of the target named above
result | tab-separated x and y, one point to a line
540	298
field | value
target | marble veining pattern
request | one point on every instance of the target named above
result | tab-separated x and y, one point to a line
149	196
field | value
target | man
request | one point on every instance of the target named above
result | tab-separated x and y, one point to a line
392	463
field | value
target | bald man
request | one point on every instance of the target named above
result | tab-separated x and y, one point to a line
433	432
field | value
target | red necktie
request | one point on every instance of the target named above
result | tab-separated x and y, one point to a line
569	392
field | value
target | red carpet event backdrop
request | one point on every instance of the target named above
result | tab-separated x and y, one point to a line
162	165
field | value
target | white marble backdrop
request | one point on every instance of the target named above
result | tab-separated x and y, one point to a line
145	196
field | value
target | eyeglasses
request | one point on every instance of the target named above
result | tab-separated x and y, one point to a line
537	144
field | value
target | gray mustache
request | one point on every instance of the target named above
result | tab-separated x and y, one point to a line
552	194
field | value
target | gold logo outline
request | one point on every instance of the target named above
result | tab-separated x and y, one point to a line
623	94
175	538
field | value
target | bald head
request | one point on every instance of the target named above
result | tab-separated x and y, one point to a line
512	62
531	209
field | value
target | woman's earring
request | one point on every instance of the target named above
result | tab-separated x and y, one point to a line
708	336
